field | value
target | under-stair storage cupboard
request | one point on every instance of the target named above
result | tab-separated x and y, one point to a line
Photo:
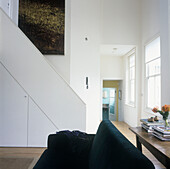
22	123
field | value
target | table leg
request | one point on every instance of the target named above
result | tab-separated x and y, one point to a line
139	145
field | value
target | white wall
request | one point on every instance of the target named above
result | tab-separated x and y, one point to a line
150	19
111	67
85	58
155	23
62	62
82	57
4	4
131	113
77	27
0	34
120	22
46	88
14	7
121	25
165	52
10	7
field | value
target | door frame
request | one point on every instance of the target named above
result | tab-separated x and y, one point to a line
117	94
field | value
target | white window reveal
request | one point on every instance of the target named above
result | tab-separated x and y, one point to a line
153	74
130	78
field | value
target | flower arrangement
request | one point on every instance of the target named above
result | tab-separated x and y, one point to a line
164	112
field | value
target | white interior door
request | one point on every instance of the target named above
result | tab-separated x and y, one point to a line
39	126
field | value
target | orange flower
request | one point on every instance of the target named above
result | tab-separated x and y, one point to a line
166	108
155	109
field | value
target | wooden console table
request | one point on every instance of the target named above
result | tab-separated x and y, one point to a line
160	149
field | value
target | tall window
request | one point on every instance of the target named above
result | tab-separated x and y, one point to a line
130	78
153	74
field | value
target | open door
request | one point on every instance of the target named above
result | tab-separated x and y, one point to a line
109	103
110	100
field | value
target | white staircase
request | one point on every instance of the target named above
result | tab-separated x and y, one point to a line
48	101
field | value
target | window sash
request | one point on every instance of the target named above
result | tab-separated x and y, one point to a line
153	91
132	91
131	79
132	73
153	68
152	50
153	74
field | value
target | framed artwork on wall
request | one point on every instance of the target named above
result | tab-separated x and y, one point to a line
120	94
43	22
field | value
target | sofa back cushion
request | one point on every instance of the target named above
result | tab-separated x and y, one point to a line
74	146
111	150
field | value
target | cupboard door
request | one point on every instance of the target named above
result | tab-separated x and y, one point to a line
39	126
13	111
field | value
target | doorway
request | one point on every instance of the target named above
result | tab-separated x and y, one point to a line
109	104
110	100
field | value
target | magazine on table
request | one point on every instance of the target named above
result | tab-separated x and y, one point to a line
160	137
149	129
162	129
161	134
154	123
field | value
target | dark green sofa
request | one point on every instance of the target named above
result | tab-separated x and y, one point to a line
108	149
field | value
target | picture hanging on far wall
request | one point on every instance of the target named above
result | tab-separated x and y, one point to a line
43	22
120	94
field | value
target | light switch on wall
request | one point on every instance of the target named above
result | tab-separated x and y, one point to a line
87	83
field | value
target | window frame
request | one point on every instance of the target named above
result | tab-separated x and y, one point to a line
128	79
146	77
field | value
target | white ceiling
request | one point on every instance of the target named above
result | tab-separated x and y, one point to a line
115	50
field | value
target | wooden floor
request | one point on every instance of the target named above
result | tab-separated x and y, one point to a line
36	152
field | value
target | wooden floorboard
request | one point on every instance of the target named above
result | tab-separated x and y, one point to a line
36	152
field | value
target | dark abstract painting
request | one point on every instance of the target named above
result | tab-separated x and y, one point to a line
43	22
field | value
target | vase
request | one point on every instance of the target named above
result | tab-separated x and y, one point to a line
166	123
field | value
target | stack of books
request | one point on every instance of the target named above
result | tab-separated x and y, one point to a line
148	126
162	133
